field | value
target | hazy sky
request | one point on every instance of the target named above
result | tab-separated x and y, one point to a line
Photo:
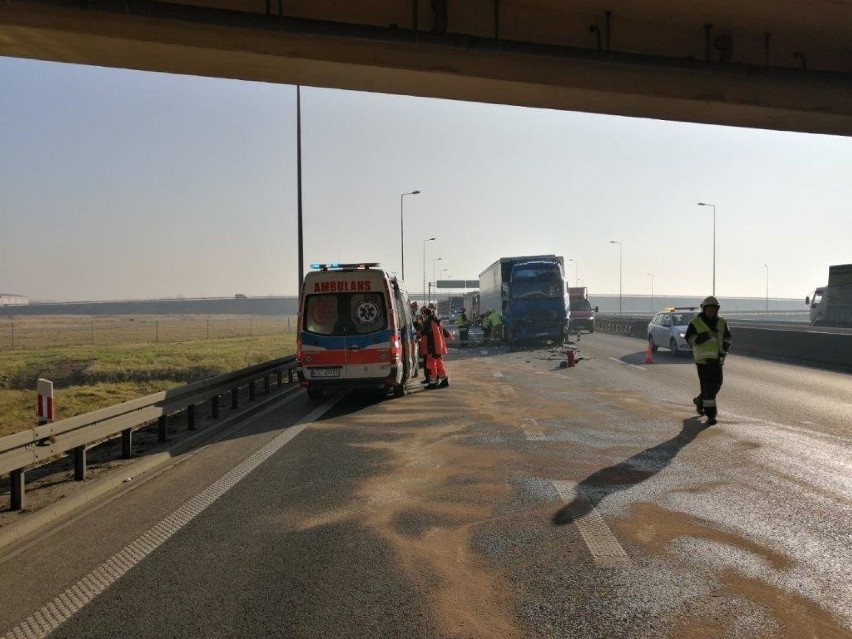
120	184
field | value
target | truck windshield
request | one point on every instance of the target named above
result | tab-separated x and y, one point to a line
339	314
581	305
544	280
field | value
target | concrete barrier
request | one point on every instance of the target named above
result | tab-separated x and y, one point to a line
786	344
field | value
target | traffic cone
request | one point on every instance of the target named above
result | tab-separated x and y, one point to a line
649	355
571	361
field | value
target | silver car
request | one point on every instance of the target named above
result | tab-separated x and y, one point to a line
668	328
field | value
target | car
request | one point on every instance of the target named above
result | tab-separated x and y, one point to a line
668	328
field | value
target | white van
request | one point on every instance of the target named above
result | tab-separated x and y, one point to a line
355	330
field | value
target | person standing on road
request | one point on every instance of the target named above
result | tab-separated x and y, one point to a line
436	348
486	327
464	328
495	321
710	338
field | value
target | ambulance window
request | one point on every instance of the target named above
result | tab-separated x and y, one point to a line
321	314
368	313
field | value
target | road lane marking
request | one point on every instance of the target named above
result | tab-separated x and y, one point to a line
641	368
602	544
534	435
508	391
61	608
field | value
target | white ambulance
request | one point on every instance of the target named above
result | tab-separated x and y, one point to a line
355	330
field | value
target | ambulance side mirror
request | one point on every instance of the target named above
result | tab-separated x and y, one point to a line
596	309
808	300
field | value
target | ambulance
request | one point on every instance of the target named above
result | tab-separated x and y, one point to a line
355	330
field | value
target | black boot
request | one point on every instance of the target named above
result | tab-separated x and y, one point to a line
698	407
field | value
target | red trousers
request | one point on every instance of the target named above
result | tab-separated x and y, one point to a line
435	366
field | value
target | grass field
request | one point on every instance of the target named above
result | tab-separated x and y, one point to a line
90	377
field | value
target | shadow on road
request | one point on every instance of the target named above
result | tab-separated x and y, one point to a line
660	358
632	471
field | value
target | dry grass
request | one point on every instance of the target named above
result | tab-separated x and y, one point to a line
90	377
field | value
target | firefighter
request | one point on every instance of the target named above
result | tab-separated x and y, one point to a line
464	328
495	322
436	348
485	322
710	338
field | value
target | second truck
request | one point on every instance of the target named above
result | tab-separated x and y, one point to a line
529	292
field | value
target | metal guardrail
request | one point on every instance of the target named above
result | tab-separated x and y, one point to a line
42	443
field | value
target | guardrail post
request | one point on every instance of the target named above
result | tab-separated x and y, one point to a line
190	416
289	375
266	385
251	390
235	397
162	428
214	406
17	480
127	443
279	378
80	463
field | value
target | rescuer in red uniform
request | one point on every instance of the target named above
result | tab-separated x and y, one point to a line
435	348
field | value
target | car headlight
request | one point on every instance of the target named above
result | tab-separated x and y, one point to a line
682	334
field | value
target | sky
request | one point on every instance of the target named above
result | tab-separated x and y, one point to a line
120	184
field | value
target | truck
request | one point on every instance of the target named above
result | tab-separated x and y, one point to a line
582	312
530	293
832	305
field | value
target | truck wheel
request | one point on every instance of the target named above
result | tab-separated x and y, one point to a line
399	390
315	393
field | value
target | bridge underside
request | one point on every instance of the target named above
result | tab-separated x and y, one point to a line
743	63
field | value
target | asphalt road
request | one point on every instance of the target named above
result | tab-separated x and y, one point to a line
525	500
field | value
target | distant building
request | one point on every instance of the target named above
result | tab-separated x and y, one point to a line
11	299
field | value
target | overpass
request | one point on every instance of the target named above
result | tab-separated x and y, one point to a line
750	63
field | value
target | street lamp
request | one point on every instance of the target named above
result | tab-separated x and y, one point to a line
714	243
434	277
619	273
576	270
767	286
402	232
652	290
428	239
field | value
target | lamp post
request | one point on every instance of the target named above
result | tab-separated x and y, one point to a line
434	277
428	239
619	273
300	230
576	270
651	275
714	243
767	285
402	231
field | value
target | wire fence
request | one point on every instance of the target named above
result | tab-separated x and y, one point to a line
28	333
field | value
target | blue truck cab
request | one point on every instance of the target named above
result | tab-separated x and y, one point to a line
531	294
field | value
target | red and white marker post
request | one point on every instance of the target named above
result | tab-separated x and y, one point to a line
44	389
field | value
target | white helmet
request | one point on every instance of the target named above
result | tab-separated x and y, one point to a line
710	301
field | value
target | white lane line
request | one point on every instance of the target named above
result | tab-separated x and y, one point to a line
602	544
498	374
641	368
534	435
58	611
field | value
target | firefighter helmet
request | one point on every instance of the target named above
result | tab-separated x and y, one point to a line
710	301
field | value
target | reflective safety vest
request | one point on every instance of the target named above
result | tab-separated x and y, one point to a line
495	319
712	348
461	321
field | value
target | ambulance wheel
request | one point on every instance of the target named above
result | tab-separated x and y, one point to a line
315	393
399	390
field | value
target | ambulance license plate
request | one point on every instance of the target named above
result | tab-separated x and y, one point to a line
325	372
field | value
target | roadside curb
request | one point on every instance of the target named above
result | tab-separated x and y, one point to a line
28	524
